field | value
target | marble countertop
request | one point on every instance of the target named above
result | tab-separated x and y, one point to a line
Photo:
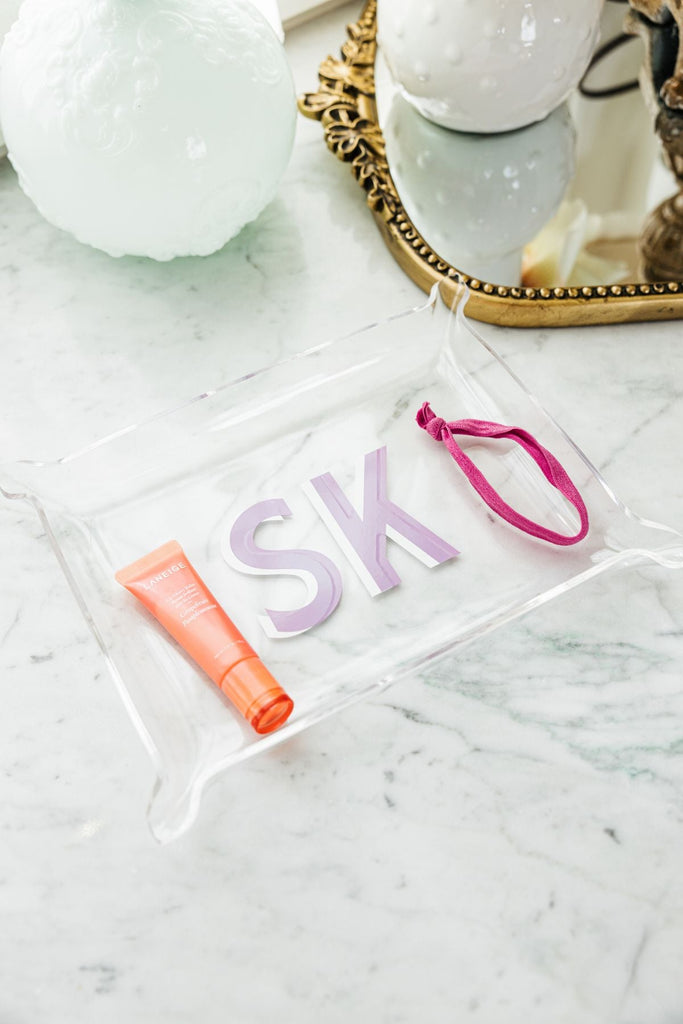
499	840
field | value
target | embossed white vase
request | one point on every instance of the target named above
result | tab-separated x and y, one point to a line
147	127
487	65
8	14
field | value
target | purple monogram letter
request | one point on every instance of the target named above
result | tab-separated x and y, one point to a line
363	539
320	575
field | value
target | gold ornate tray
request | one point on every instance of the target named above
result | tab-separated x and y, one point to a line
345	104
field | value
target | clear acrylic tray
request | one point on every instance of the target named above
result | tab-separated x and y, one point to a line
189	473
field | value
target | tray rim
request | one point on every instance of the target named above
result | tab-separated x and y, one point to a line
175	802
429	304
456	300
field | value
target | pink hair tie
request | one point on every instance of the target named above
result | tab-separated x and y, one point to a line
548	464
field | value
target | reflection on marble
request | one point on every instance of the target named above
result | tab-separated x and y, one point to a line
479	199
499	841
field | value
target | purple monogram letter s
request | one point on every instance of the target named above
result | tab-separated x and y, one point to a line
363	539
320	575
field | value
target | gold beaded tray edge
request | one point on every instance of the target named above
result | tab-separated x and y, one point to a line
345	105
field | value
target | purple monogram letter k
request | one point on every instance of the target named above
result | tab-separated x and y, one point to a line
363	539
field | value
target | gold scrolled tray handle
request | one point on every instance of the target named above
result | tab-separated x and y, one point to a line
346	106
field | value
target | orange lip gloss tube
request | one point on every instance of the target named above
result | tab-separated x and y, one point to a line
170	588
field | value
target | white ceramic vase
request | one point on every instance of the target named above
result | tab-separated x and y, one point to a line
147	127
8	15
487	65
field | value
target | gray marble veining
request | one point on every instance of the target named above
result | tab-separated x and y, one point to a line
499	840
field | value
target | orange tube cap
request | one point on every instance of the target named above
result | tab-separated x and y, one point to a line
258	696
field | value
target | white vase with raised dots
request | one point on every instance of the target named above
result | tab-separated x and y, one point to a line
487	65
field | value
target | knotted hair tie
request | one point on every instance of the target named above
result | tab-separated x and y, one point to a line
433	426
545	460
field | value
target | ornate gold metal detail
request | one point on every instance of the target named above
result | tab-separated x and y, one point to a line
659	25
657	13
345	105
